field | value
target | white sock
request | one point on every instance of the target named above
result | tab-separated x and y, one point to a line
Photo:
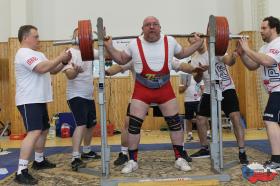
208	132
39	157
86	149
124	150
241	149
22	164
76	155
190	134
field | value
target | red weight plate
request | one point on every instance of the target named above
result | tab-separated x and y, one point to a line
85	40
222	36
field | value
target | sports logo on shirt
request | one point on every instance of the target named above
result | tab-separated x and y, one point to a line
272	73
152	77
274	51
222	73
271	77
31	60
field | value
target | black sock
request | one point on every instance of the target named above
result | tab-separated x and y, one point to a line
133	154
178	151
206	147
275	158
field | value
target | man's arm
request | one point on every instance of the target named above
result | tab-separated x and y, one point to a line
250	64
57	69
118	68
260	59
49	66
188	51
185	67
230	59
72	72
197	72
114	69
252	59
119	57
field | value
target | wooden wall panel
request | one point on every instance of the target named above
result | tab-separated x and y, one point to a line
119	90
16	120
246	86
3	50
4	82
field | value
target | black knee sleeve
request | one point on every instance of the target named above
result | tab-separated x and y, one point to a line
135	125
174	122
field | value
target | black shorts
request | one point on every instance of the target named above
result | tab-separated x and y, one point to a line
190	109
229	103
35	116
272	110
83	110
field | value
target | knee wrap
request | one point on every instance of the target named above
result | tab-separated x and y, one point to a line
135	125
174	122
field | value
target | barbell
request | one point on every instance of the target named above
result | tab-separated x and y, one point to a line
85	39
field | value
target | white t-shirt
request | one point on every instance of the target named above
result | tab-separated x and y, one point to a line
31	87
271	75
82	85
222	73
193	91
154	53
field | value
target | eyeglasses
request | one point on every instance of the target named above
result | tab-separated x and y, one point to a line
151	24
35	36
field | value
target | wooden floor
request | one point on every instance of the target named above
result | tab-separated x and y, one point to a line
147	137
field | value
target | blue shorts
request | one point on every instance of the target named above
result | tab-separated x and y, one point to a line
83	111
272	110
35	116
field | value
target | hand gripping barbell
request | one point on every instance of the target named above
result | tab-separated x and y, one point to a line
85	40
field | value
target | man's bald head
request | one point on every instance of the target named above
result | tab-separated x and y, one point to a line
150	18
151	29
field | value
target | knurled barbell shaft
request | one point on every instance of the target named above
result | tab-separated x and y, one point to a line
76	41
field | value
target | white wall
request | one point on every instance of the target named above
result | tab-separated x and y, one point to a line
56	19
18	15
274	8
5	20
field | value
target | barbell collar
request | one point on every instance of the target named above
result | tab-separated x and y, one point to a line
66	42
236	36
